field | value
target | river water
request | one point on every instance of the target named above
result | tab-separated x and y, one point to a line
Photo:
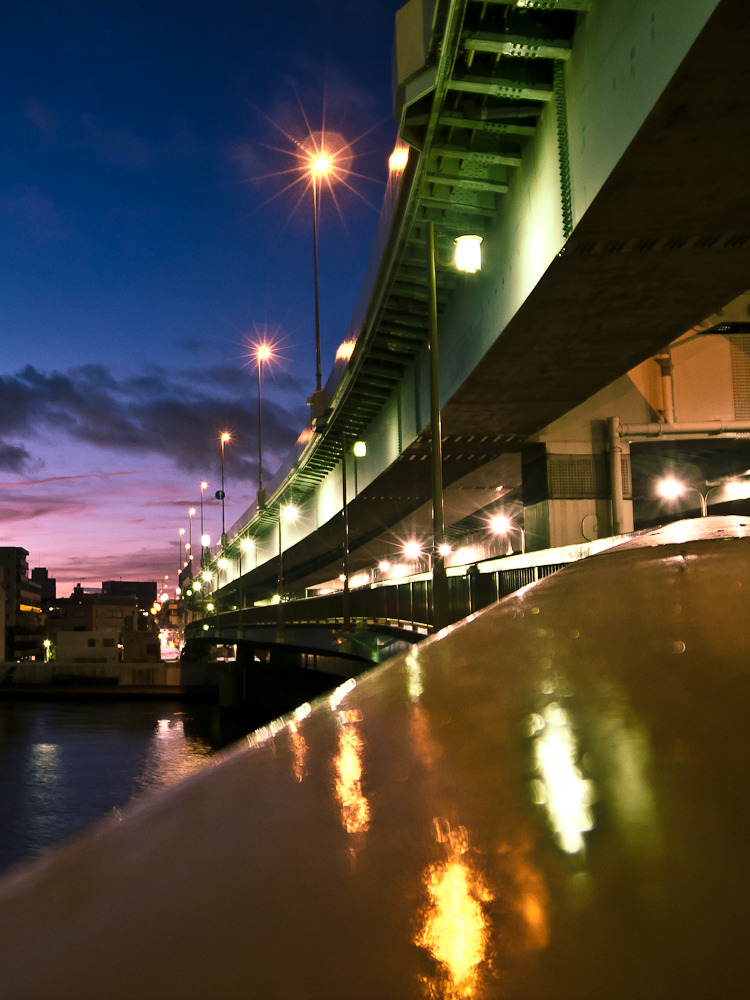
65	764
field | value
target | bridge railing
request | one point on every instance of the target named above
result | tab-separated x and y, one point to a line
404	604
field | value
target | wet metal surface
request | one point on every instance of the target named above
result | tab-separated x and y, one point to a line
547	801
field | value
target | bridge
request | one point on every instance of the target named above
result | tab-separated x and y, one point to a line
597	151
542	800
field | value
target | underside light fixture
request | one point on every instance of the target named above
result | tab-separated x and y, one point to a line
384	566
670	488
468	254
501	524
359	449
412	550
445	549
247	544
399	158
345	350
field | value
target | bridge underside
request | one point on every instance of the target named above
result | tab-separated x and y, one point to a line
665	244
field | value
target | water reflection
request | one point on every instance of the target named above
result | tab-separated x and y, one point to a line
64	765
170	756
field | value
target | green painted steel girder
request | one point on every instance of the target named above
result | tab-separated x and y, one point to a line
540	4
467	182
481	157
494	87
524	46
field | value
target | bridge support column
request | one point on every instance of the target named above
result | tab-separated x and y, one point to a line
568	493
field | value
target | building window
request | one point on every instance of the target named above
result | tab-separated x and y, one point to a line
108	642
92	642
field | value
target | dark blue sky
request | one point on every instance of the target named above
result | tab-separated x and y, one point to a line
147	235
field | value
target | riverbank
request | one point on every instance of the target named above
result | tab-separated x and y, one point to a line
91	692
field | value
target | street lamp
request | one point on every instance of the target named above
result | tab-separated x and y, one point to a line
501	524
262	353
286	513
225	436
671	488
246	545
439	575
179	556
320	164
191	515
203	487
359	450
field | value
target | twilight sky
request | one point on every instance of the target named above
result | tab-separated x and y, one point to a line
152	226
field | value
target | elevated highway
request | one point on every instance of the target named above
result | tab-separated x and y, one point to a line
599	150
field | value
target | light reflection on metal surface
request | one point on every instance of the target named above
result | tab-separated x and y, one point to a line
299	752
341	692
455	929
413	676
355	809
560	786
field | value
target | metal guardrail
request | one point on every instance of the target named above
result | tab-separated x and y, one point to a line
403	604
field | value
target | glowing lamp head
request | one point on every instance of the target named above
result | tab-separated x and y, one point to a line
225	437
246	544
223	564
290	513
398	159
263	352
203	486
384	566
670	488
205	540
320	164
191	512
500	524
444	549
412	550
182	531
359	449
468	254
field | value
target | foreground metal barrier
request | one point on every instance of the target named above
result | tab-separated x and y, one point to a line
546	801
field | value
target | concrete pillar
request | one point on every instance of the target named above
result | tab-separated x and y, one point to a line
567	493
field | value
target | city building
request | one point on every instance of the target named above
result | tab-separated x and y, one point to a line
24	619
47	586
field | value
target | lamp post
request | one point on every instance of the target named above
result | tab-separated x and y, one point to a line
225	436
359	451
203	487
262	353
191	515
468	258
245	545
288	513
179	557
320	164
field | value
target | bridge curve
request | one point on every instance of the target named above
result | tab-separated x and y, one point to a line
581	141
